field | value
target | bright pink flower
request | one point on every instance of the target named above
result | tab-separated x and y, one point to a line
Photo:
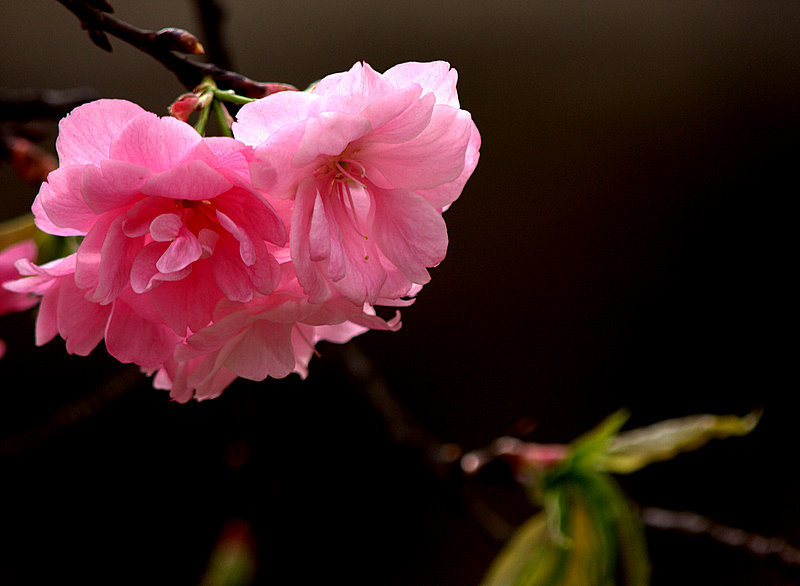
170	222
273	336
12	301
371	162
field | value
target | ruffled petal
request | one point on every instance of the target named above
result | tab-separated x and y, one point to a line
61	201
436	77
132	337
86	133
192	181
258	120
410	232
264	350
329	134
155	143
434	157
300	242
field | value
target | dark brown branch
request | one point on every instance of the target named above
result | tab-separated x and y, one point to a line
29	104
162	46
211	17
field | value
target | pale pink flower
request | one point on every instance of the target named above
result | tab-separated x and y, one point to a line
171	226
12	301
371	161
271	336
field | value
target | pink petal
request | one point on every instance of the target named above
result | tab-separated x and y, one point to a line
256	121
155	143
143	269
182	252
231	276
436	156
47	318
442	196
113	185
139	216
62	202
165	227
436	77
187	303
80	322
116	260
130	337
193	181
46	225
264	350
271	169
329	134
88	256
246	249
410	232
320	235
85	135
406	124
352	91
299	242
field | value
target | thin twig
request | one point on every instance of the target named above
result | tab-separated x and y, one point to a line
162	46
692	523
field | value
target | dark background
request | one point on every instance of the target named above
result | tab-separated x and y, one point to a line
624	242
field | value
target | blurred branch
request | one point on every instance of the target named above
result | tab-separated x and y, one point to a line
30	162
83	408
211	17
694	524
29	104
164	45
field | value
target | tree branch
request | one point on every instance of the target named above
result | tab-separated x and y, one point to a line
162	46
211	17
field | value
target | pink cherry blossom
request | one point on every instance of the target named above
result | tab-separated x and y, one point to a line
12	301
371	160
171	226
272	335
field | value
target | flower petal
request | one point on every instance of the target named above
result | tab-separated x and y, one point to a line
86	133
155	143
436	77
192	181
410	232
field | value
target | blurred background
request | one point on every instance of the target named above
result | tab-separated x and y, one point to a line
624	242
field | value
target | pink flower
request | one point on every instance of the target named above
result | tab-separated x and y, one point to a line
371	161
12	301
273	335
171	227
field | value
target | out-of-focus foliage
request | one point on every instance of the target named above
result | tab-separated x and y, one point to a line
635	449
587	533
233	560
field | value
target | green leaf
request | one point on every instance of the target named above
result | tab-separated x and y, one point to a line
635	449
590	540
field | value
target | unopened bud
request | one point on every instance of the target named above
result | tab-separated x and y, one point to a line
183	107
177	39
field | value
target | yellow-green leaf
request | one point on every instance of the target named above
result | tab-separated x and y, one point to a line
635	449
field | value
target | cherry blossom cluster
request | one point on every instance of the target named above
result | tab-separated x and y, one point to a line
203	259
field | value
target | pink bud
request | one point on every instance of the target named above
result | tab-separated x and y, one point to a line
183	107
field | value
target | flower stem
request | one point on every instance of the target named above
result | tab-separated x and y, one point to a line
230	96
202	120
223	118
